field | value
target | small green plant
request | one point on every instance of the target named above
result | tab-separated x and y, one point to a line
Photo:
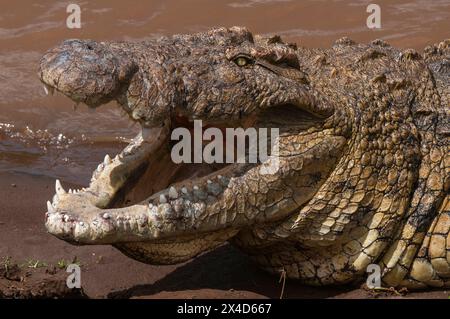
31	263
63	263
6	264
76	261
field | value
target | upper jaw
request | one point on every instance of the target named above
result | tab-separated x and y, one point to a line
89	76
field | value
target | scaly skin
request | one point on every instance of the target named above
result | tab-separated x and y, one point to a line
363	150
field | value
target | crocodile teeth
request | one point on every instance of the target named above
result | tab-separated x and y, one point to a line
184	190
100	167
55	199
48	89
59	189
173	193
50	207
162	199
70	191
107	160
195	187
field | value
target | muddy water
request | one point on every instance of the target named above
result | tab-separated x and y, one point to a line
44	135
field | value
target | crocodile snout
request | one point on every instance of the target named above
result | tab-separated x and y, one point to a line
86	71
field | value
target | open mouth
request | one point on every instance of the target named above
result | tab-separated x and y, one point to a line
132	195
158	210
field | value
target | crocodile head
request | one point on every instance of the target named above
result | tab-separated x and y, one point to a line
340	135
225	78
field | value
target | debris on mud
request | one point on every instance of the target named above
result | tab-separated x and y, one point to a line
24	282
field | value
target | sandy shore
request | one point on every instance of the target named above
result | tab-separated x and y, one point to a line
223	273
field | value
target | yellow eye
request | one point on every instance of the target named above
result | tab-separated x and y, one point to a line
242	61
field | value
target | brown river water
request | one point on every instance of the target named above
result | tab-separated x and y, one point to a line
44	136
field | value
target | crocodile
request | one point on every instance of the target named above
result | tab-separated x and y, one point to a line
363	154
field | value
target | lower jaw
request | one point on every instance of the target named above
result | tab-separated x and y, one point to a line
97	214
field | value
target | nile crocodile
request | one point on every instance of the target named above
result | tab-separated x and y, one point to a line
363	151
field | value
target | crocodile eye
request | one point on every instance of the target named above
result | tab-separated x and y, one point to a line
242	61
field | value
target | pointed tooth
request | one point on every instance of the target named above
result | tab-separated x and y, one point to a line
195	188
59	189
55	199
184	190
173	193
70	191
107	160
162	199
100	168
48	89
50	207
116	158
